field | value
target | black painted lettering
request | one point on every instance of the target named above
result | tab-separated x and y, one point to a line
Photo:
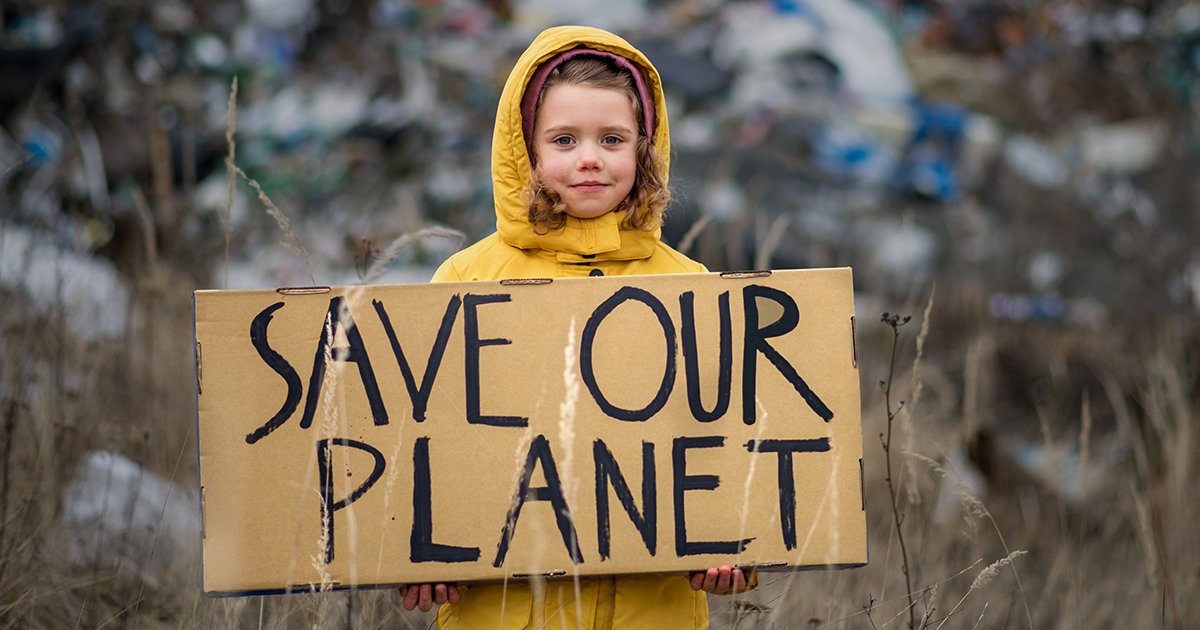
787	485
691	360
585	355
606	469
258	337
473	344
329	507
685	482
756	341
539	451
355	353
421	545
420	395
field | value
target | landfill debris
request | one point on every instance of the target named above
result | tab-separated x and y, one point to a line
1113	197
1060	467
87	291
846	150
117	510
1045	270
722	199
865	52
962	477
840	112
1192	281
279	14
1031	159
1020	307
982	138
611	15
1124	148
1035	162
929	164
902	250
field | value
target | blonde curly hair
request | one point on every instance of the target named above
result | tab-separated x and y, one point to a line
650	195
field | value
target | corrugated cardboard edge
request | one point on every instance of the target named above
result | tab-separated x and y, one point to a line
854	341
196	357
862	478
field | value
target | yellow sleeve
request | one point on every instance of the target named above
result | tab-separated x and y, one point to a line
751	581
446	272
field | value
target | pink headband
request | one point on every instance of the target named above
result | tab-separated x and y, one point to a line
529	102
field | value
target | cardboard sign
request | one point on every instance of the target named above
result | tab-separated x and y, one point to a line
484	431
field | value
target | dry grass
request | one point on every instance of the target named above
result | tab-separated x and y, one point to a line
1126	555
1122	556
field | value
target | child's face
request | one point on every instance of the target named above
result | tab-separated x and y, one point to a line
585	140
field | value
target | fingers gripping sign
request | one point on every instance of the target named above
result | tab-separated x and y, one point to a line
425	596
719	580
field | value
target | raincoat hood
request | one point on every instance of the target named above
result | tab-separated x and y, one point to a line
599	238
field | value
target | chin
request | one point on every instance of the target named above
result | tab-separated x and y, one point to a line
588	214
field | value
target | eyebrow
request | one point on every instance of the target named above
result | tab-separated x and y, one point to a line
609	129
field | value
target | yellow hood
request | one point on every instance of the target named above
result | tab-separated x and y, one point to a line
600	238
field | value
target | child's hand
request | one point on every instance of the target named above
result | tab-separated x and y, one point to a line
424	596
719	581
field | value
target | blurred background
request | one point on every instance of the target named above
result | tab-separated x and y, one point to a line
1017	176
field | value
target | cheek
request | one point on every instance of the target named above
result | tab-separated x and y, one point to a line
629	168
554	172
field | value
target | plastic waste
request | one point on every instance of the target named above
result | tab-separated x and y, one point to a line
269	50
1087	311
967	478
754	34
1059	467
929	165
1035	162
1124	148
866	54
39	30
117	509
1113	197
611	15
43	144
901	250
722	199
209	51
1191	279
92	295
1020	307
847	150
690	76
173	16
279	14
337	108
1045	270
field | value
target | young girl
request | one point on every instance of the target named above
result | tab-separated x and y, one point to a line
579	167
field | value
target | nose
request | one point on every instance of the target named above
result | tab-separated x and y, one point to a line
589	158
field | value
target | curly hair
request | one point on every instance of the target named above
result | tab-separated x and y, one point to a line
650	195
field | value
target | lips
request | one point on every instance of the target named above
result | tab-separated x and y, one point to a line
589	186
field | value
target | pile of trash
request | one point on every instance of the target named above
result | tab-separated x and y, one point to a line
117	510
1033	157
814	125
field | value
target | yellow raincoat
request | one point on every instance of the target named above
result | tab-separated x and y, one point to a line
584	247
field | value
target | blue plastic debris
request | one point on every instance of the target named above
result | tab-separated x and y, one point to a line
929	164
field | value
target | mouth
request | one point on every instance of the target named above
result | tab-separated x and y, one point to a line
589	186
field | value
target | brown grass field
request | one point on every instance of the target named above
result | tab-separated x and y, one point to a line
1010	549
1041	471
